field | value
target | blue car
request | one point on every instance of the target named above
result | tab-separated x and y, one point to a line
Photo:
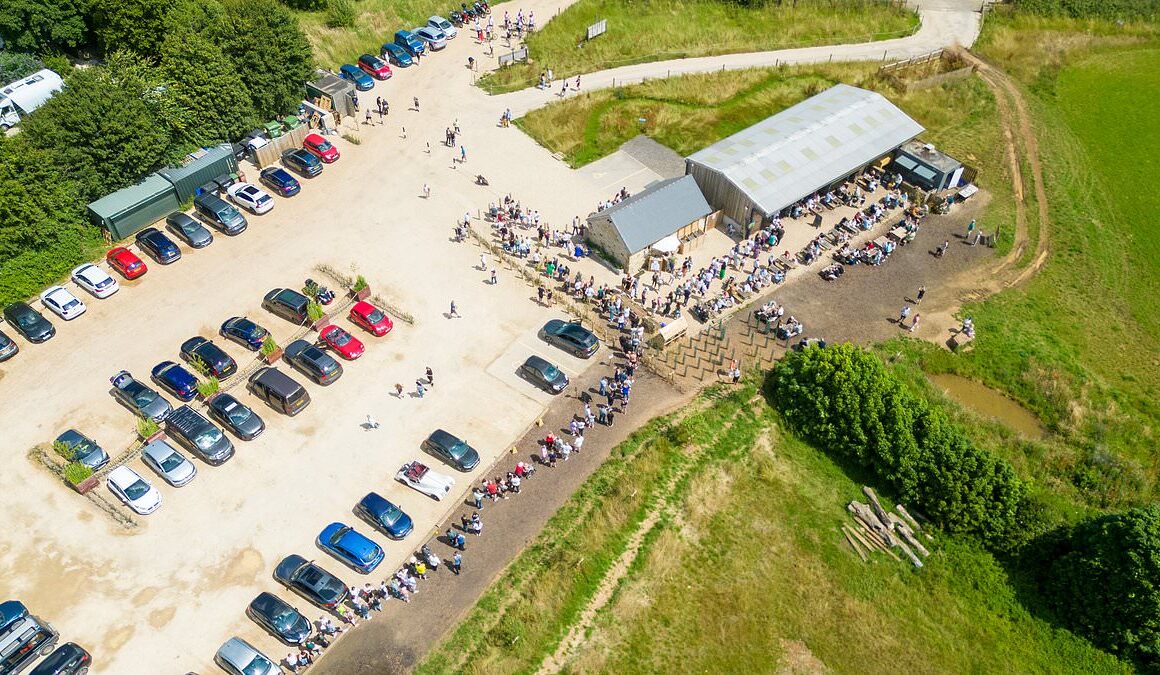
352	548
175	379
158	245
396	55
362	81
407	40
279	180
244	332
385	516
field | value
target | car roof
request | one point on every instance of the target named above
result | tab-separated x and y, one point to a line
71	436
538	362
236	650
159	449
443	437
124	476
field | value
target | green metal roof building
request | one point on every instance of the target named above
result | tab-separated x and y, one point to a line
127	211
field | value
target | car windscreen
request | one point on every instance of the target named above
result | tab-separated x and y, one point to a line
27	319
259	666
207	438
390	515
551	372
142	396
238	414
340	338
171	462
458	450
137	490
375	316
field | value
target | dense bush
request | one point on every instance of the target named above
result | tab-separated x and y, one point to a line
843	400
1104	582
41	25
340	13
14	65
1114	10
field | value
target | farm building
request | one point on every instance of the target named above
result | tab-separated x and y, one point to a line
922	165
754	174
660	218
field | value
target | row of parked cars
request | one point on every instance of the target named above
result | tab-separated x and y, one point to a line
210	208
404	49
25	637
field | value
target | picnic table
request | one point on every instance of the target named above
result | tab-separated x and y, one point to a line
899	233
881	242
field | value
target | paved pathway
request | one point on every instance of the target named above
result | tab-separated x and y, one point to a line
945	23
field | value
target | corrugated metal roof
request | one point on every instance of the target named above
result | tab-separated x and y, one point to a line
125	199
660	210
791	154
211	163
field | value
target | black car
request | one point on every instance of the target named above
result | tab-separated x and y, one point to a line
244	332
302	162
29	322
287	303
154	242
8	347
452	450
571	337
189	230
279	618
279	180
311	581
234	415
311	361
385	516
544	375
81	448
199	435
68	659
200	352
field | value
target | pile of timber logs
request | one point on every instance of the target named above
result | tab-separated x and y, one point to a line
880	530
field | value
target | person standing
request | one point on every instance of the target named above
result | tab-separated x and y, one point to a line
921	292
420	390
970	228
454	310
483	262
914	323
416	101
399	390
903	314
430	377
462	154
426	191
494	278
456	563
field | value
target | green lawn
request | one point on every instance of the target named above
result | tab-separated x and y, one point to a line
747	561
656	30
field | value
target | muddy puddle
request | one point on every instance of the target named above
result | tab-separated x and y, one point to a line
982	400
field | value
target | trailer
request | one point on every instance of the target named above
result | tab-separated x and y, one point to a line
19	98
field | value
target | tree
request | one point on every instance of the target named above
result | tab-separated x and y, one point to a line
270	51
14	65
205	82
137	26
1105	583
40	26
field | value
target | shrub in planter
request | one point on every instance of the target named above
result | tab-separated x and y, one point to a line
63	450
199	365
270	350
76	473
361	289
208	387
314	311
146	427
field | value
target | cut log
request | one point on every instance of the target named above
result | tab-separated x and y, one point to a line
853	545
858	535
909	554
883	517
909	519
882	546
903	529
867	515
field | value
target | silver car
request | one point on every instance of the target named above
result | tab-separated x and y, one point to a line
434	37
239	657
138	397
170	464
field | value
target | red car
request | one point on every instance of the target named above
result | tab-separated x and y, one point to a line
320	148
126	262
374	66
371	318
342	342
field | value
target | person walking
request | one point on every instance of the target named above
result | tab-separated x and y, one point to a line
462	154
454	310
456	563
903	314
372	423
426	191
921	292
398	391
404	132
416	100
420	390
368	120
430	377
914	323
483	262
970	228
494	278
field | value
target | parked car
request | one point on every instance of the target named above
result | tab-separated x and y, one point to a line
236	416
199	436
280	391
374	66
139	397
154	242
287	303
173	467
8	347
28	322
397	55
251	198
571	337
279	619
219	213
409	42
137	493
126	263
432	37
280	181
444	25
451	449
200	351
238	657
431	483
320	148
371	319
64	304
95	280
68	659
175	379
342	342
311	581
354	74
244	332
302	162
188	229
24	637
544	375
312	362
350	547
385	516
82	449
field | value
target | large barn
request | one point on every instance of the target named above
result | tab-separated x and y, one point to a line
756	173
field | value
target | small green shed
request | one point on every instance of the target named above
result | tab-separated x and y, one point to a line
127	211
205	165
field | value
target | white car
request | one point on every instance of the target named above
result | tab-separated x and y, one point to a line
431	483
95	280
134	490
64	304
449	30
251	198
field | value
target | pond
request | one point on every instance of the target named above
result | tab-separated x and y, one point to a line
982	400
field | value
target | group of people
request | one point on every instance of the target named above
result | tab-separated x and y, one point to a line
620	196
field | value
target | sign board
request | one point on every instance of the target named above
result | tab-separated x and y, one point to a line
598	28
520	54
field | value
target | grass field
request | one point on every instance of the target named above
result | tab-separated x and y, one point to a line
694	28
746	571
